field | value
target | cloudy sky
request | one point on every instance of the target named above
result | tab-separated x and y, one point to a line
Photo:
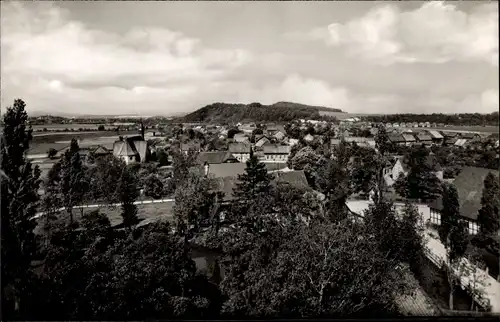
170	57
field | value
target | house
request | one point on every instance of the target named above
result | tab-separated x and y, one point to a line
241	138
470	136
274	152
39	150
227	184
131	149
374	131
292	142
215	157
400	167
469	184
260	142
437	138
247	128
460	142
424	138
193	146
308	138
397	139
409	138
241	151
279	135
272	130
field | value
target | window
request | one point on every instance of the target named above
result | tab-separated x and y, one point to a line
473	228
131	158
435	217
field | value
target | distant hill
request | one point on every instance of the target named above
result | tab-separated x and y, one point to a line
256	112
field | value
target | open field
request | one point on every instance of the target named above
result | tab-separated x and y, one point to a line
343	116
457	128
67	136
146	213
75	126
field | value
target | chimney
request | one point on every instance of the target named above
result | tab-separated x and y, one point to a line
207	168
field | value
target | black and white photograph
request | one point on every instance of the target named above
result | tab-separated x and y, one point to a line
232	160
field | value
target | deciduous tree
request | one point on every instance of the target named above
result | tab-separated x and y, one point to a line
19	198
453	234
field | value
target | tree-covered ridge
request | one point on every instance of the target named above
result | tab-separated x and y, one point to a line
450	119
278	112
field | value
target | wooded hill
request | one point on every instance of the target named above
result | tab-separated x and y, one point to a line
277	112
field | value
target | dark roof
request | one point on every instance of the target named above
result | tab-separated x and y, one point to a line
216	157
239	148
424	137
447	134
228	183
468	135
276	149
220	170
295	178
124	148
396	138
188	146
469	184
408	137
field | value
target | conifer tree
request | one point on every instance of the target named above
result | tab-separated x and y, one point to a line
127	190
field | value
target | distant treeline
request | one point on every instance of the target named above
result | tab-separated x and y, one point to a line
451	119
278	112
49	119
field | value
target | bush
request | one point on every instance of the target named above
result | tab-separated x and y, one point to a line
153	187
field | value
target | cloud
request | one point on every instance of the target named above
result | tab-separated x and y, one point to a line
45	53
436	32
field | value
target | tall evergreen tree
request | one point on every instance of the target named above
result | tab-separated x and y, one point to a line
453	233
72	179
127	190
19	199
254	182
382	140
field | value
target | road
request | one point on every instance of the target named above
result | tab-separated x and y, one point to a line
143	202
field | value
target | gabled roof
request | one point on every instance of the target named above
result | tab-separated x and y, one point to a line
279	135
239	147
276	149
228	183
219	170
123	149
447	134
355	139
460	142
262	141
469	184
239	137
408	137
295	178
190	146
435	134
101	150
396	138
422	136
468	135
216	157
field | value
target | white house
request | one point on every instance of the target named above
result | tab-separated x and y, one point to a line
241	151
469	184
274	152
